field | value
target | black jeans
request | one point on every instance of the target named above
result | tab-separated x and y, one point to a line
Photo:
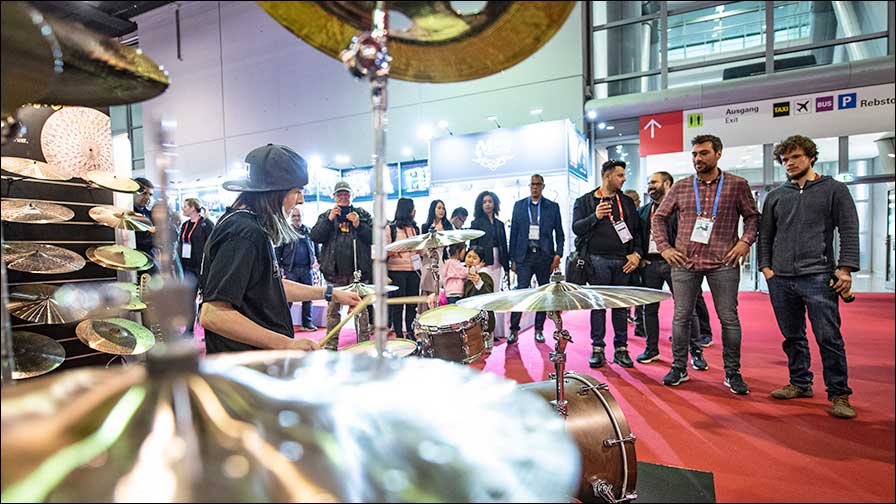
302	276
607	270
792	297
654	274
538	265
408	283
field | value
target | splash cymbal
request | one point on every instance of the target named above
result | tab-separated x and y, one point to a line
363	289
119	218
36	303
35	354
41	258
120	258
434	239
108	180
115	336
33	169
441	45
34	212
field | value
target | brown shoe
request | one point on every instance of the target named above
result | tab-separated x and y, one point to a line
841	408
791	391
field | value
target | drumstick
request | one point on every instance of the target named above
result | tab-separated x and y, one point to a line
364	304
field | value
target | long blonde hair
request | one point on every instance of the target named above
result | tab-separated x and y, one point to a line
195	203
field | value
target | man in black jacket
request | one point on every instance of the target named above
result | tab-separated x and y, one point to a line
796	255
297	259
607	229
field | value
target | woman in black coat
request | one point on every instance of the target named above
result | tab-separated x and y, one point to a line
494	243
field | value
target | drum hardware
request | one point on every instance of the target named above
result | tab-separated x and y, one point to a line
119	218
41	258
604	489
35	212
613	442
31	168
35	354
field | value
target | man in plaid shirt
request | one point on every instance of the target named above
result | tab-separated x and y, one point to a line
710	205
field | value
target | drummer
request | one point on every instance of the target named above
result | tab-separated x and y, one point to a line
244	297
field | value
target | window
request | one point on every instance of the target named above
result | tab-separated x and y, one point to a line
720	31
129	119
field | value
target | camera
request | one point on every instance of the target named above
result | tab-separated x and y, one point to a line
343	213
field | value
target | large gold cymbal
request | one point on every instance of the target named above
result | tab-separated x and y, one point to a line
36	303
41	258
34	212
108	180
434	239
35	354
119	218
115	336
120	258
441	45
33	168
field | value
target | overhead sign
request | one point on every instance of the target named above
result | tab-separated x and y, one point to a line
661	133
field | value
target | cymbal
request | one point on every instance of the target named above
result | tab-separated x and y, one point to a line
41	258
35	354
33	168
120	258
116	336
396	348
108	180
27	56
78	138
441	45
36	303
119	218
135	303
35	212
363	289
434	239
100	299
563	296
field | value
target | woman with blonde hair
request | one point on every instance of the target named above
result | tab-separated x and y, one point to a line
190	245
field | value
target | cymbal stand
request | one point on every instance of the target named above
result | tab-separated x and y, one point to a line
558	357
363	314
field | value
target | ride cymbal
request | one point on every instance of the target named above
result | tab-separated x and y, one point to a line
119	218
33	169
120	258
36	303
115	336
35	354
41	258
108	180
441	45
34	212
434	239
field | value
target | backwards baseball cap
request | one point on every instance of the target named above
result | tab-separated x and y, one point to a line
342	186
271	168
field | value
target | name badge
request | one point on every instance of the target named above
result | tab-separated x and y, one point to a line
534	233
652	247
185	250
417	262
622	230
702	230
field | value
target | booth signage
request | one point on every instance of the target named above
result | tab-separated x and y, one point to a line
661	133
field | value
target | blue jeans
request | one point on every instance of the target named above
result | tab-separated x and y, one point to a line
454	299
607	270
791	298
538	265
302	276
723	283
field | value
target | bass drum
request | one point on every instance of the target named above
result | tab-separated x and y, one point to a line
607	446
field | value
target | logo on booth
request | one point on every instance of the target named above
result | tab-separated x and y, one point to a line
493	152
846	100
781	109
824	103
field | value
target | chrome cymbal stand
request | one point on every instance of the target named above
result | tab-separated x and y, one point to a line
558	357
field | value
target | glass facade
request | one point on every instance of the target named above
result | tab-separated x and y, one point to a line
129	119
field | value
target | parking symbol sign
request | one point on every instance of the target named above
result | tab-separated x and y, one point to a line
846	100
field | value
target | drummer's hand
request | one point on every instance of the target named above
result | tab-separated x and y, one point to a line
555	263
346	298
305	344
334	213
354	219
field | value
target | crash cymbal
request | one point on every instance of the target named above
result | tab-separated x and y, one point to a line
363	289
108	180
35	354
116	336
119	218
36	303
100	299
441	45
33	169
34	212
65	64
434	239
41	258
78	138
120	258
559	295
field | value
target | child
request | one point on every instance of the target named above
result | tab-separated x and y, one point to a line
455	272
480	283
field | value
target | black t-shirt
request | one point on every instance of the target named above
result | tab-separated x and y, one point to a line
240	268
605	241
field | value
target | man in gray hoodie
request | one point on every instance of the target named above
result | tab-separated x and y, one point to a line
796	255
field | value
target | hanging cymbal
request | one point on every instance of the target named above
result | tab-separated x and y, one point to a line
559	295
119	218
35	354
100	299
116	336
120	258
36	303
80	138
434	239
363	289
41	258
108	180
33	169
441	45
34	212
28	55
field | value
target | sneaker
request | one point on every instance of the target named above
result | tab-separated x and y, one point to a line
648	356
841	408
675	376
791	391
631	320
514	336
539	336
621	357
698	362
309	328
597	359
735	383
705	340
639	331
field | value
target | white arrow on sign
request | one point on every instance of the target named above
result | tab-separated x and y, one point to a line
652	124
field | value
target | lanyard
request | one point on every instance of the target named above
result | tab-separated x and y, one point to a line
188	238
538	206
715	205
600	193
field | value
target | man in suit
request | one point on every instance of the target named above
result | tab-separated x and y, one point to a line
536	247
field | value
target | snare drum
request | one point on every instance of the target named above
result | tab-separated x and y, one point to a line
451	333
394	348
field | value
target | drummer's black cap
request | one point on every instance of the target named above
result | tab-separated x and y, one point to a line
271	168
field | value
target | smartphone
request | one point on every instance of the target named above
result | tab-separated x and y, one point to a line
343	212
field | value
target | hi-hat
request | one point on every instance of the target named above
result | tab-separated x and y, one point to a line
119	218
108	180
116	336
559	295
441	45
363	289
36	303
434	239
41	258
33	169
35	354
34	212
120	258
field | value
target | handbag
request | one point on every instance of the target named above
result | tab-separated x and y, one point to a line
578	268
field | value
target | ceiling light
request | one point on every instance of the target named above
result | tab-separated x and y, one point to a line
591	114
443	124
406	151
601	125
535	111
342	159
494	119
611	128
424	132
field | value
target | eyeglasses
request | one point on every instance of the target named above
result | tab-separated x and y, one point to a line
536	184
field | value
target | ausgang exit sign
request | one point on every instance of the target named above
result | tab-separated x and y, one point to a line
661	133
